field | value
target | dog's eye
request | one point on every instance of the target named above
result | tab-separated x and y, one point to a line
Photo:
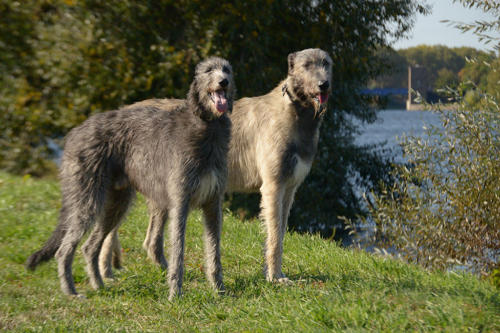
226	70
208	70
307	64
325	63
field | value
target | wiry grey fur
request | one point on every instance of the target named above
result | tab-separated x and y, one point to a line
174	152
274	138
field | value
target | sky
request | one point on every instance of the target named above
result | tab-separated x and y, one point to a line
430	31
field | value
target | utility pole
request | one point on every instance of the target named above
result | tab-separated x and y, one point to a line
408	101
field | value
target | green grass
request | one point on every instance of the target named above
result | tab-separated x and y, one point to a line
334	289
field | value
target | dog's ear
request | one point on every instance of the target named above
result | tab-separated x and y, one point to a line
198	68
193	98
231	97
291	61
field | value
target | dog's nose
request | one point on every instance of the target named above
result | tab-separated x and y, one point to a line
324	85
224	83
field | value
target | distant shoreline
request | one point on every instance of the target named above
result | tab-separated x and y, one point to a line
421	107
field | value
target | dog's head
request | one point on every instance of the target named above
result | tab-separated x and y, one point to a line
309	78
212	92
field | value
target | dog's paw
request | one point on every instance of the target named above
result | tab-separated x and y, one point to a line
284	280
107	274
175	293
218	286
281	279
78	296
220	292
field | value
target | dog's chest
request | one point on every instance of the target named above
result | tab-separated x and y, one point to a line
301	169
298	157
208	186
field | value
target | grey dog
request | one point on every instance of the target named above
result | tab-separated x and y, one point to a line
274	139
174	152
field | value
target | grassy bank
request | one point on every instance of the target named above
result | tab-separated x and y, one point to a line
334	289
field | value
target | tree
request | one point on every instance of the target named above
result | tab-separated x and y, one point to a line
396	73
446	78
442	66
493	79
476	70
89	56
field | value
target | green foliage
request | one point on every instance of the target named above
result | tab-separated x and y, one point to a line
395	73
446	78
495	277
334	289
476	70
442	67
65	60
444	208
493	79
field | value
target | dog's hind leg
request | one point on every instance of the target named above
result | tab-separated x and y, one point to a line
117	250
271	213
110	255
212	218
177	230
78	223
117	203
153	243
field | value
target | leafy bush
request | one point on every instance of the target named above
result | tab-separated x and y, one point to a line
444	208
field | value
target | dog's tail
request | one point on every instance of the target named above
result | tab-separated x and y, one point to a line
50	248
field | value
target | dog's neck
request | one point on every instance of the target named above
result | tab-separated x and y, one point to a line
302	109
193	103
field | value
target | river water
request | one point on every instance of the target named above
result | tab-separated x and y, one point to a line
389	127
392	124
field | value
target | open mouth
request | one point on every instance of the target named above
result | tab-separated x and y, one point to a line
322	98
220	100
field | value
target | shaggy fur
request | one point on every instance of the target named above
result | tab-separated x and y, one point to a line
174	152
274	139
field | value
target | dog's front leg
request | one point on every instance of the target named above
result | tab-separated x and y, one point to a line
177	226
212	218
287	205
271	213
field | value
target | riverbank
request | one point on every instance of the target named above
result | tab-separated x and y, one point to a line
429	107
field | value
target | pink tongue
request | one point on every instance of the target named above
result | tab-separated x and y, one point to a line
323	98
220	102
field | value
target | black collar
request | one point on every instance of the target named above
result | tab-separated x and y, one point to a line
294	101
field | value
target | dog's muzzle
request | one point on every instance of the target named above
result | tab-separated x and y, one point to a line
219	98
